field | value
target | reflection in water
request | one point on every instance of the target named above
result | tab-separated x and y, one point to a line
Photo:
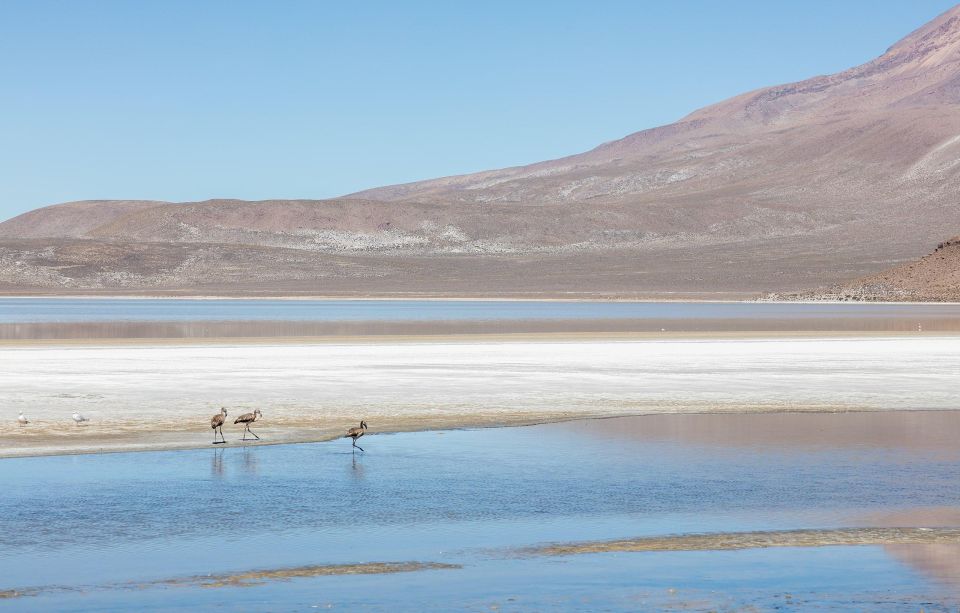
933	432
900	324
900	434
940	562
357	469
216	463
249	462
924	517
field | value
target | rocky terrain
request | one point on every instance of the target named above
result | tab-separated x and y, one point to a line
933	278
795	186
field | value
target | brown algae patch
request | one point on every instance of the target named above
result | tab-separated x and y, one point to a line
256	577
756	540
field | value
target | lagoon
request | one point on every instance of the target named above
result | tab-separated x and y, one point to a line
101	532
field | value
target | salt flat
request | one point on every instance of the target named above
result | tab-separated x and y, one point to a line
162	396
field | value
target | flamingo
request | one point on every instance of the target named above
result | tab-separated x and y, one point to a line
216	422
356	433
246	419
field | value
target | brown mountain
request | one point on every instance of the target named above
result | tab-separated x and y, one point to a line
792	186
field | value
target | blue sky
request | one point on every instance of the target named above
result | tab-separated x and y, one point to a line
193	100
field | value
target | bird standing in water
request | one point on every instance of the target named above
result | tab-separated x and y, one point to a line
79	419
216	422
356	433
246	419
22	419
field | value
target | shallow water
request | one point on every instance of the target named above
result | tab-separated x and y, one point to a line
78	318
21	310
80	529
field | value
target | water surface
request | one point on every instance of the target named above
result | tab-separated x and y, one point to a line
66	318
99	532
22	310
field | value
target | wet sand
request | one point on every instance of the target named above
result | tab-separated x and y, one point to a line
248	578
759	540
254	577
143	396
114	434
651	327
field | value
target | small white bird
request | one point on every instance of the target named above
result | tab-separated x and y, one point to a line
22	419
79	419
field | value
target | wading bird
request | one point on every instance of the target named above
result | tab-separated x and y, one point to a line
216	422
356	433
79	419
246	419
22	419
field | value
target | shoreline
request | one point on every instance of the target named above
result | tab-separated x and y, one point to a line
480	338
415	424
653	298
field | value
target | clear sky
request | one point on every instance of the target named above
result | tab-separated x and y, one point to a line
188	100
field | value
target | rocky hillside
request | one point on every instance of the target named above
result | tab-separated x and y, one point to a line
933	278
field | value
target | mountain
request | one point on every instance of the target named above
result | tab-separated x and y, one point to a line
786	187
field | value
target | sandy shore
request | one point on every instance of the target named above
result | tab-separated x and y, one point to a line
727	541
161	396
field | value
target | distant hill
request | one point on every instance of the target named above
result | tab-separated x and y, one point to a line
793	186
933	278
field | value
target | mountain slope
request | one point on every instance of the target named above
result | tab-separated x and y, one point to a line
912	85
786	187
865	156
